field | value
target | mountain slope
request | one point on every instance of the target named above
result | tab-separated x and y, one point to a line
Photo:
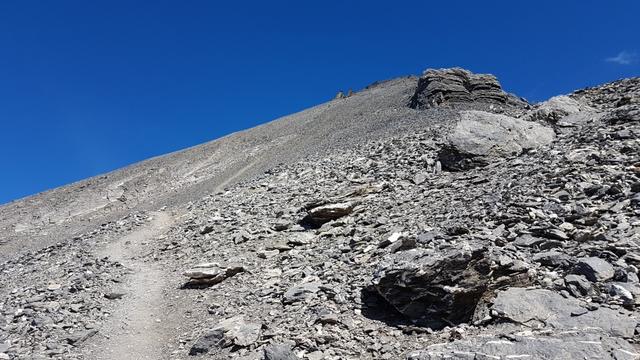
474	226
186	175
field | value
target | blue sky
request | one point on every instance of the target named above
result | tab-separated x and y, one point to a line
90	86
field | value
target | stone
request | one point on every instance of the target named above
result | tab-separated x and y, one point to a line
206	229
212	273
594	269
429	287
319	215
394	237
404	243
419	178
554	109
114	295
439	87
300	292
279	352
545	308
561	346
623	114
232	331
528	240
552	258
621	292
578	285
53	287
480	137
80	336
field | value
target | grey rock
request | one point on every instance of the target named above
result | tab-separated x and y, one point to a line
437	87
623	114
279	352
300	292
430	286
480	137
80	336
316	216
578	285
545	308
114	295
233	331
554	109
562	346
552	258
419	178
595	269
212	273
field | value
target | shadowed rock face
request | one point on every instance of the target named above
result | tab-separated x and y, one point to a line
441	288
456	86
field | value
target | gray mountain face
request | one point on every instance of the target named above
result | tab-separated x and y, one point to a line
432	217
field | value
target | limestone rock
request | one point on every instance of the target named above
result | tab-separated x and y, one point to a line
316	216
595	269
279	352
555	109
540	308
212	273
429	287
480	136
563	346
233	331
438	87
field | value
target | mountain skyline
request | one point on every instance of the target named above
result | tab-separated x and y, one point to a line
89	88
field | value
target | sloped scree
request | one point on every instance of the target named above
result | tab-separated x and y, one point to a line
532	252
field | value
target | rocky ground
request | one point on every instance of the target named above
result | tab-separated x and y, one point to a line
500	231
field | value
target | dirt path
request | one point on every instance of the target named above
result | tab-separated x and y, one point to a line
235	176
142	324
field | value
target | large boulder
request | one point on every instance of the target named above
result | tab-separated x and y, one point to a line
440	288
480	136
554	109
438	87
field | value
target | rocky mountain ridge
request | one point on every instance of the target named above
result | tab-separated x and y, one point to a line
491	231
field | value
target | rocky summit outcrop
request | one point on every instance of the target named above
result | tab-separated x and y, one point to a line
442	87
468	232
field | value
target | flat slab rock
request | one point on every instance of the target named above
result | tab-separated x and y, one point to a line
212	273
319	215
562	346
540	308
234	331
480	136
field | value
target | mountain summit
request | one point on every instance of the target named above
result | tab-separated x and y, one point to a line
428	217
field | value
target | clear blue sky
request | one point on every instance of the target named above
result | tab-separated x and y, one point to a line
90	86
